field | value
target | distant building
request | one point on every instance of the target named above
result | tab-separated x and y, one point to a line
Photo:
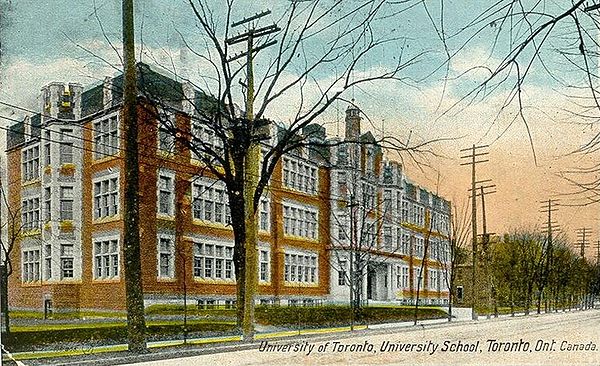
66	173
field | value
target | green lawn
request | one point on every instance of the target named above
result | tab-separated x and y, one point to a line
206	322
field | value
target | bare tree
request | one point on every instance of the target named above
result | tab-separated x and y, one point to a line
459	238
313	38
11	229
360	219
556	45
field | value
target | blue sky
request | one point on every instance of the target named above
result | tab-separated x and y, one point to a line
38	50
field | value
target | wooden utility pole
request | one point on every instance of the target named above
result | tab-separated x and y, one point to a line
473	156
251	168
136	323
583	235
548	207
485	240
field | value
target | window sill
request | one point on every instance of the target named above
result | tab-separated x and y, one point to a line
300	238
105	159
165	217
32	284
107	280
300	284
166	279
29	233
294	191
31	182
211	224
214	281
107	219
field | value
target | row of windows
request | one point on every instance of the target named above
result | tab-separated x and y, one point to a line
106	142
299	176
300	221
300	268
106	137
31	263
30	209
409	212
400	243
30	160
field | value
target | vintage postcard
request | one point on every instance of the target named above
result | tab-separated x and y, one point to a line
319	182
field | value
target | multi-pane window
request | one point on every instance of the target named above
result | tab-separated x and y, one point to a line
368	235
31	163
47	204
387	237
433	280
444	251
106	137
342	180
404	211
399	240
300	268
342	273
213	261
47	261
419	215
342	227
264	274
67	256
433	249
31	265
419	246
106	198
47	149
387	201
205	143
264	215
166	136
30	213
405	248
66	203
443	280
66	146
166	256
211	202
166	184
300	221
418	280
368	191
402	277
299	175
106	258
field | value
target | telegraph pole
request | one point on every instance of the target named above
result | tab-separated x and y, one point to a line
583	235
251	167
485	238
548	207
475	152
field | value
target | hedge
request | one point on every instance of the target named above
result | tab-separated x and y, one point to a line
323	316
31	340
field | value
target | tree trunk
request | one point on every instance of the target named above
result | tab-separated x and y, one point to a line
236	204
136	324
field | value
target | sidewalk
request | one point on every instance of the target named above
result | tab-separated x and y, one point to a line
115	354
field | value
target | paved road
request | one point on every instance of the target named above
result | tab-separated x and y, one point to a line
548	339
